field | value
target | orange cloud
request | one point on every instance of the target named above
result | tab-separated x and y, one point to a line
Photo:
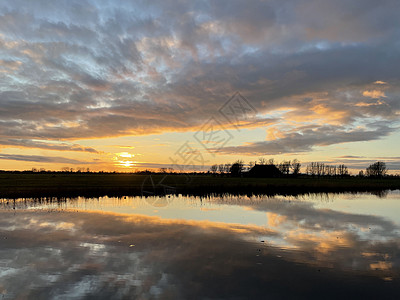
374	94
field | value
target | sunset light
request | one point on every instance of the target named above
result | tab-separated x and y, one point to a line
77	89
199	149
124	159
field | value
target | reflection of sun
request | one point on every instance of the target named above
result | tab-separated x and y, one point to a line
121	159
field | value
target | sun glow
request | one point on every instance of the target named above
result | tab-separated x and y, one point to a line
126	164
124	159
125	155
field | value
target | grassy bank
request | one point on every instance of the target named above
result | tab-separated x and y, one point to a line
95	185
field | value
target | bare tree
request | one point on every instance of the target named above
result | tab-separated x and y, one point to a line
262	161
316	169
284	167
342	170
377	169
214	169
251	164
332	171
295	166
221	168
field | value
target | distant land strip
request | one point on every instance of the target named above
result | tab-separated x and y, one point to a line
38	185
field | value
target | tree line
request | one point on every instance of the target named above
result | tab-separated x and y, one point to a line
238	168
293	168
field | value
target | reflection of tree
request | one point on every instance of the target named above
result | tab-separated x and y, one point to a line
380	193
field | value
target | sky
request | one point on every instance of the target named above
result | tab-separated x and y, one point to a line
130	85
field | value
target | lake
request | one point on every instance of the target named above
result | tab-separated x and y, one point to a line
318	246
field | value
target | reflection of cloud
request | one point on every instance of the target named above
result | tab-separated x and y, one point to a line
381	265
306	216
318	232
182	259
275	220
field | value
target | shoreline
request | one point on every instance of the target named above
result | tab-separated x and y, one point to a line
41	185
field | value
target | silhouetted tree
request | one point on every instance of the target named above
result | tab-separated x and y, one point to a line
284	167
237	168
315	169
262	161
320	169
332	170
214	169
342	170
251	164
295	166
377	169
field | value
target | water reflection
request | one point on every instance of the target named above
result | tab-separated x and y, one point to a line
255	247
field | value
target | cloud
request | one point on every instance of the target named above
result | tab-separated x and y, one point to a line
374	94
42	159
306	139
133	68
61	146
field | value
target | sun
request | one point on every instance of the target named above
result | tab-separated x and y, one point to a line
124	159
127	164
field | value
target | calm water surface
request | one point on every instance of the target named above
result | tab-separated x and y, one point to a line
218	247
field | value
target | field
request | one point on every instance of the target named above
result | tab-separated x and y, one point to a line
20	185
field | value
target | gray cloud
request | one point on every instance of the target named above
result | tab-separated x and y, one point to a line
45	145
132	68
42	159
305	139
